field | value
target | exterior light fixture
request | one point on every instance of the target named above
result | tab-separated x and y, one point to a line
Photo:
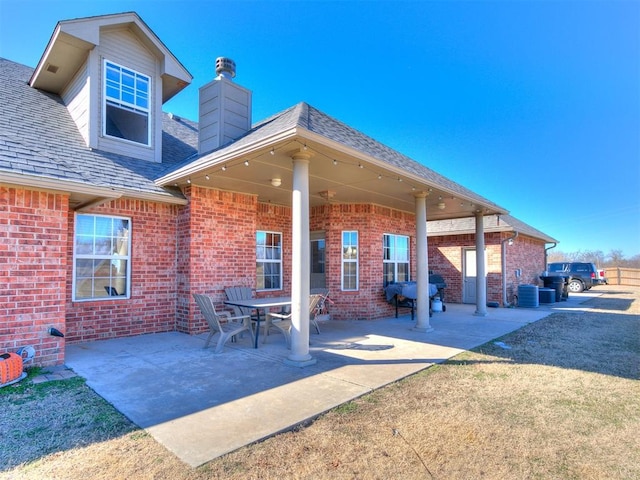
335	162
246	163
379	177
206	176
276	182
327	194
189	181
224	167
272	152
442	206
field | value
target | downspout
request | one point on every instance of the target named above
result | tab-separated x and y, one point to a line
504	242
545	253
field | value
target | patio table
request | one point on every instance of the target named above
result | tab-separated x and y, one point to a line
260	304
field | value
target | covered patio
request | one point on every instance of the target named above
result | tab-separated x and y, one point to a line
299	163
201	405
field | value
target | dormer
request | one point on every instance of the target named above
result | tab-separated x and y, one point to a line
113	74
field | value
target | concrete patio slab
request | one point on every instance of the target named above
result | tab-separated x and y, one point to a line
201	405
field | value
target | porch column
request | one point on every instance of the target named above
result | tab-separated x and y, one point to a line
300	262
481	274
422	264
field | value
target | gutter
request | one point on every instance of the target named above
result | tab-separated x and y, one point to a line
100	194
504	271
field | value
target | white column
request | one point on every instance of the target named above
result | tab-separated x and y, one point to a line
300	263
481	273
422	264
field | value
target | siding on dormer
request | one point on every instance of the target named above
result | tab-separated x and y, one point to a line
76	98
123	47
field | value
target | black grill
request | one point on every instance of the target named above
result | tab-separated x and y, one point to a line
438	281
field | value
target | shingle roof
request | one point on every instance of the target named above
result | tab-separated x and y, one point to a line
305	116
50	145
492	223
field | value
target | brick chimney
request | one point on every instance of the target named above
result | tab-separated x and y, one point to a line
224	109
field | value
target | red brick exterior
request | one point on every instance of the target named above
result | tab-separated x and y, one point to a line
216	249
446	254
34	230
152	305
204	247
371	222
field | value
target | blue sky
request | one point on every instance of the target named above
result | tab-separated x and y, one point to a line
533	104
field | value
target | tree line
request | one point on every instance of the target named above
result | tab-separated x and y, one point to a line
614	258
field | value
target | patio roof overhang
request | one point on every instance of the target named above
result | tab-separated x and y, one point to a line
337	174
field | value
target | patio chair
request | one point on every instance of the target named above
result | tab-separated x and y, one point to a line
282	321
321	310
240	293
222	322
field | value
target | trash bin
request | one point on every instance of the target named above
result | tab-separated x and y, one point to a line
547	295
557	283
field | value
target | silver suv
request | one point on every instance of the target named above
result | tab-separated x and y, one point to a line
582	275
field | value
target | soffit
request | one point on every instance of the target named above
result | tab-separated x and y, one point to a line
335	176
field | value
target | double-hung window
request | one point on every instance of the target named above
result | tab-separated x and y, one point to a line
395	258
101	257
349	260
268	260
126	111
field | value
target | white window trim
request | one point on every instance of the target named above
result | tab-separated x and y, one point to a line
345	261
133	108
395	261
126	257
267	260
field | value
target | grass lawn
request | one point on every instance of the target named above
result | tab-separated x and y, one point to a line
559	399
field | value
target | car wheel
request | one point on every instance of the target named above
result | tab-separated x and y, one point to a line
575	286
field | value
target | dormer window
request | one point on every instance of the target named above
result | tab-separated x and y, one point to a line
126	104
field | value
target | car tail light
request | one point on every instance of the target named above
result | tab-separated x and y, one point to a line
593	275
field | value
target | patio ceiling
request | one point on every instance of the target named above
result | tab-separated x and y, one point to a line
336	175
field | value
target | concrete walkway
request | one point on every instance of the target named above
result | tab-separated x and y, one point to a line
201	405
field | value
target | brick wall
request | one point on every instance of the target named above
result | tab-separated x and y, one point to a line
34	230
152	305
216	239
371	222
446	258
526	254
204	247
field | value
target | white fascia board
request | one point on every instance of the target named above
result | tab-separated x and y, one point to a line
225	154
57	185
65	186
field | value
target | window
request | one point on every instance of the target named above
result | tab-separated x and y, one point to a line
126	104
395	258
101	251
350	260
268	261
317	256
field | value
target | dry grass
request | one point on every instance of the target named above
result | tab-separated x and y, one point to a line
563	402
